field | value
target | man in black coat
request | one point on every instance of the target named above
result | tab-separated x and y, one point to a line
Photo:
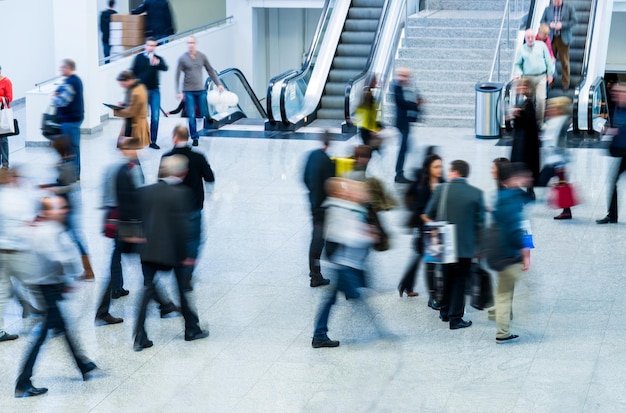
199	172
166	207
146	68
159	21
105	21
318	169
407	109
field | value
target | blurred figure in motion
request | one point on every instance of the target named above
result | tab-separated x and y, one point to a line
367	115
618	95
526	142
349	239
67	187
199	172
17	211
166	209
508	218
317	170
57	261
431	176
408	107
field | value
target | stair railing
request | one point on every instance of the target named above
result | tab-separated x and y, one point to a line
506	16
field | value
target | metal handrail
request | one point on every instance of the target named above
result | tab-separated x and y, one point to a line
585	69
496	56
246	85
597	83
368	63
291	74
38	85
167	39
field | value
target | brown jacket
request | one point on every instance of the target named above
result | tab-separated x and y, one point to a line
136	112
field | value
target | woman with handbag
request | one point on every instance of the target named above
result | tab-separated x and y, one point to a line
431	176
6	96
367	116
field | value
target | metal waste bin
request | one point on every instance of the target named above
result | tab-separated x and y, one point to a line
487	105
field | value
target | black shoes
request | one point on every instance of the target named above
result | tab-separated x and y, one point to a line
317	280
195	142
432	303
4	336
402	180
563	216
108	319
30	391
324	342
460	324
169	309
443	318
89	371
155	146
606	220
509	339
141	342
119	293
196	336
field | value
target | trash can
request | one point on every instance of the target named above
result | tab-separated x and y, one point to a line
487	105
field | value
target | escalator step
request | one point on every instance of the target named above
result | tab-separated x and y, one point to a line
357	37
361	25
364	12
330	114
333	102
347	49
335	88
346	62
337	75
368	3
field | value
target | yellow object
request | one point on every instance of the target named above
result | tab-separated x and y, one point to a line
343	165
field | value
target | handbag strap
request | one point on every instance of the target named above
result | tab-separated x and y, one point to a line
4	104
442	208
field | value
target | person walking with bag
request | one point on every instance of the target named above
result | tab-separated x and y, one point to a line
508	220
6	97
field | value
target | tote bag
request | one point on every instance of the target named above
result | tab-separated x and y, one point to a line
7	124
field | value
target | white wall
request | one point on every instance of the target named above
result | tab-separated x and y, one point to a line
616	56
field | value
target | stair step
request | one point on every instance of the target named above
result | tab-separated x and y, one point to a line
367	13
368	3
333	102
491	5
448	98
455	43
444	86
441	121
450	110
439	53
363	25
330	114
434	64
335	88
349	62
357	37
348	49
340	75
456	75
460	32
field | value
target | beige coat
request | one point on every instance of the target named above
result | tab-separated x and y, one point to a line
136	112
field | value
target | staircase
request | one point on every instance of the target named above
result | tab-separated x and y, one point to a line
450	47
576	49
351	56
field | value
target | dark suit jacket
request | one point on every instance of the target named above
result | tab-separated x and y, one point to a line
317	170
464	207
126	192
199	170
166	211
568	20
146	73
159	20
406	110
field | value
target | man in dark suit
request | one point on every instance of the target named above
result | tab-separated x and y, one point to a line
199	172
407	109
561	18
462	205
317	170
159	20
166	207
146	68
105	21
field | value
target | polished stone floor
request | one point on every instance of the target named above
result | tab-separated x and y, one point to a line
252	293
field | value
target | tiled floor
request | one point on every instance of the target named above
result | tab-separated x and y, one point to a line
252	293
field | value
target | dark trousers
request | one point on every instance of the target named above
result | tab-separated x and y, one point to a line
404	147
613	200
317	242
150	293
53	319
453	300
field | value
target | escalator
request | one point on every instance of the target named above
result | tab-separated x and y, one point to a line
353	38
248	106
587	63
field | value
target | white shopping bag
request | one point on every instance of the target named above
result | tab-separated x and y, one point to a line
440	242
7	125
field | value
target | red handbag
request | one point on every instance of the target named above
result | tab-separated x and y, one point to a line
563	196
110	223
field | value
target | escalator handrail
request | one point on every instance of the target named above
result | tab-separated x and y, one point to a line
531	13
368	63
239	74
585	69
597	83
286	76
270	87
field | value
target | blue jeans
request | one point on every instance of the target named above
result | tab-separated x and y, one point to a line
348	280
195	99
154	101
404	146
72	129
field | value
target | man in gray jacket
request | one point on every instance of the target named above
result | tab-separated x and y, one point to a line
462	205
193	91
561	18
